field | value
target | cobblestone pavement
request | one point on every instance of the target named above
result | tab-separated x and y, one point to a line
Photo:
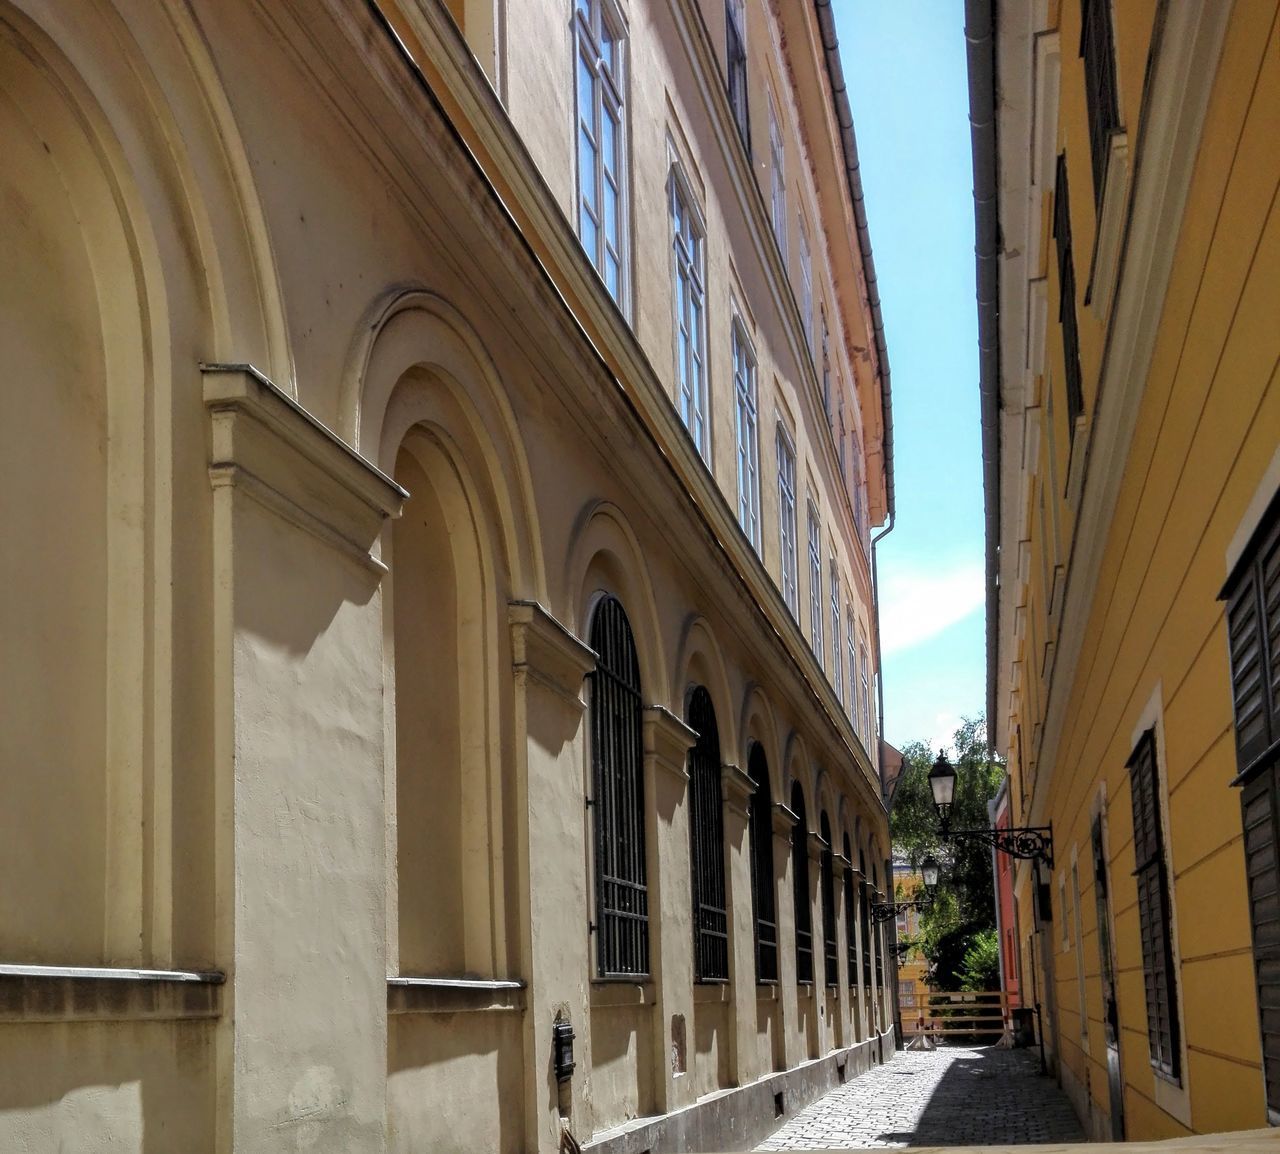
951	1096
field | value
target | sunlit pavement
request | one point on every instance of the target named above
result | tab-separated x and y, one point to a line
952	1096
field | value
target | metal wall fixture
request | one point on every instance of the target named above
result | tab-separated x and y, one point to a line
1029	843
884	911
562	1036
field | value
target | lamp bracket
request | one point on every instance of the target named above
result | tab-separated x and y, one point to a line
884	911
1028	843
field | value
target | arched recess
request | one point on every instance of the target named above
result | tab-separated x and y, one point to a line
763	889
798	765
759	727
605	558
706	837
122	230
700	663
446	646
410	331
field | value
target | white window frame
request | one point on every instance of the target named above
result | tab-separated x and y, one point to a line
816	610
806	286
837	666
747	433
865	685
787	527
597	23
689	308
851	641
777	180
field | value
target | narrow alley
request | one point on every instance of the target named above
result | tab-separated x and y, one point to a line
947	1097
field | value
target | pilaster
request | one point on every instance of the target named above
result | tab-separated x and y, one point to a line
737	789
785	823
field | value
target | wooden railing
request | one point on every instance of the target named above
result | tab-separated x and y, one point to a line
940	1015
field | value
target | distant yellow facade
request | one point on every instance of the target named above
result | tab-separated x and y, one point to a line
1131	426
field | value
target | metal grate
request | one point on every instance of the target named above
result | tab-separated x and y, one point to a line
1102	97
850	919
1067	293
710	921
864	918
763	893
830	954
800	888
617	756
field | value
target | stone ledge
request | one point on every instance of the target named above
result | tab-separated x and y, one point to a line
106	994
408	995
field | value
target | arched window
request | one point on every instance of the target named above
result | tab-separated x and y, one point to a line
828	882
865	919
617	763
850	918
706	822
800	888
763	893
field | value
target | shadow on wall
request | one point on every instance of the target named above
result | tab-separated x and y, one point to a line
145	1087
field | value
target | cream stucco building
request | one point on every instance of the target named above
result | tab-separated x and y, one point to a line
441	450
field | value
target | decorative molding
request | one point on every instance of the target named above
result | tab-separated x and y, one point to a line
410	995
817	846
270	448
737	789
543	649
667	740
785	821
1184	65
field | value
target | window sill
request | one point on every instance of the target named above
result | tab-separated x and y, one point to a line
107	993
421	995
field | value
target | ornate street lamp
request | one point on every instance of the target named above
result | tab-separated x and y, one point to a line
1030	843
883	911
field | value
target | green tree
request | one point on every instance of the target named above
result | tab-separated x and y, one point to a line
965	902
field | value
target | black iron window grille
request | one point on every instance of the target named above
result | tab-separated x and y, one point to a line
763	893
1154	924
735	18
710	921
830	954
864	920
1067	293
850	919
1102	97
800	888
617	758
1253	638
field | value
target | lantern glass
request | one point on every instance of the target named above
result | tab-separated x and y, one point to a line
942	781
929	867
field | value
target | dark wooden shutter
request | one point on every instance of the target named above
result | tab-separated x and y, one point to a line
800	888
617	755
1101	94
762	883
1253	636
706	825
1154	922
1067	293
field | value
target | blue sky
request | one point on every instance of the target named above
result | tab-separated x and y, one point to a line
904	62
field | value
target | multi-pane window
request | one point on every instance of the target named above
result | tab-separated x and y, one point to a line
735	21
800	887
864	690
826	874
706	827
744	390
1067	294
787	520
815	582
777	181
690	294
763	892
617	760
601	145
806	287
855	484
1154	921
837	666
1102	96
852	702
1253	638
826	369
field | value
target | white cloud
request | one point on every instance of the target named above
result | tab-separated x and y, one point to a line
915	606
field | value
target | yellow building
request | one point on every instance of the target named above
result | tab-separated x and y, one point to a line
913	967
1129	297
441	445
